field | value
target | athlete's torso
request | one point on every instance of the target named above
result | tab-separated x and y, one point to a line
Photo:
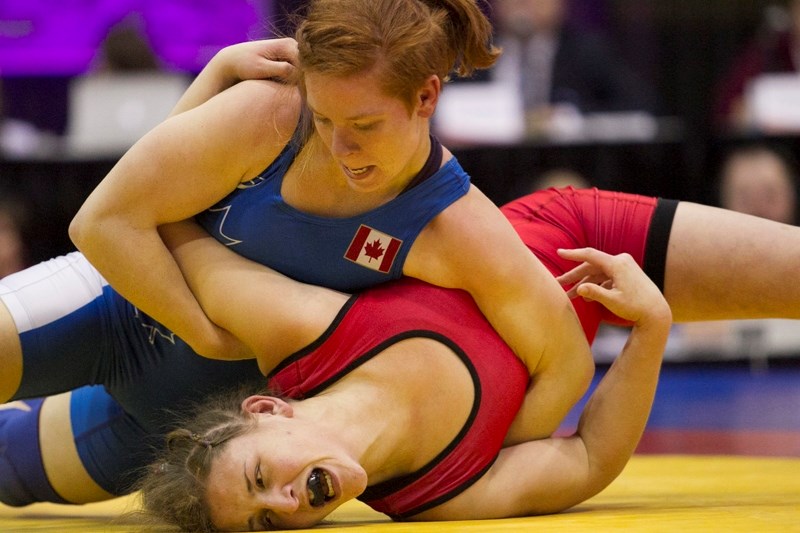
347	254
400	310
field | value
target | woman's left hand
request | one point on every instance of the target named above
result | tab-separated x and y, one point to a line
617	282
274	59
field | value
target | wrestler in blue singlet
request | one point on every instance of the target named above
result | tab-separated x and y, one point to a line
338	253
89	335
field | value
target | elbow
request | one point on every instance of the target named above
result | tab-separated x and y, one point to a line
79	229
85	229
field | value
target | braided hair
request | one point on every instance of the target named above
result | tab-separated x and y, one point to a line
173	489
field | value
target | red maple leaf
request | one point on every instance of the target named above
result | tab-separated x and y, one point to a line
373	250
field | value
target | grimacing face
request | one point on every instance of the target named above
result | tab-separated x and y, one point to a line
288	473
376	142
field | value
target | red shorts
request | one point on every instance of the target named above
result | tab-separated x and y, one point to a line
609	221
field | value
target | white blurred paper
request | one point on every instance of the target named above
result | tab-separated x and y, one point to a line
485	113
773	101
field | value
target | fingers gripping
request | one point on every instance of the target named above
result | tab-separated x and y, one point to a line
617	282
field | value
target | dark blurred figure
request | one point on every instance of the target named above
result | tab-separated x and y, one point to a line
557	67
13	217
125	49
775	49
559	178
125	93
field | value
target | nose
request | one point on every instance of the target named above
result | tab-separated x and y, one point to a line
342	142
281	499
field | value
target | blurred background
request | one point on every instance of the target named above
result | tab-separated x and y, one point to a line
676	98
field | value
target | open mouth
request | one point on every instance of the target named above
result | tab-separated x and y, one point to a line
320	488
357	172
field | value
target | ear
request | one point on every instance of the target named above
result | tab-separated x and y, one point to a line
267	404
428	96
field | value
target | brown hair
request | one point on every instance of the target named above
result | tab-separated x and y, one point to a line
173	489
409	40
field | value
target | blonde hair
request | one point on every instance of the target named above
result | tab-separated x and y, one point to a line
173	489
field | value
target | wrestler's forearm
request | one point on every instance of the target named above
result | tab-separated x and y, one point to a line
143	272
615	416
272	314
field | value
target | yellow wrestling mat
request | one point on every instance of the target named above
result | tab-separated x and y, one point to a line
654	493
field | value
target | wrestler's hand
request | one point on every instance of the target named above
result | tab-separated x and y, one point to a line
585	272
617	282
274	59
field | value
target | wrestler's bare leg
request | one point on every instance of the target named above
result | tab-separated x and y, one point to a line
62	464
727	265
10	356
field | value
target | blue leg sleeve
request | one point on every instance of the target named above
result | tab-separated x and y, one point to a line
113	447
22	477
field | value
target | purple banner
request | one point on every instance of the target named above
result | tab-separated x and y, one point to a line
62	37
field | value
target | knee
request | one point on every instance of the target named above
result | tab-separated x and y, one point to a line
22	476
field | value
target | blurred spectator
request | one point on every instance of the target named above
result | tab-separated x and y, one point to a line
13	253
126	92
759	180
775	49
559	70
126	49
559	178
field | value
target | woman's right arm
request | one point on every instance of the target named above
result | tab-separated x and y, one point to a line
181	167
550	475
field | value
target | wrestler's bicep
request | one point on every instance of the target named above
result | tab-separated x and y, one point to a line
471	246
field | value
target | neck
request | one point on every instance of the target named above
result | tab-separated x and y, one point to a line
376	418
416	164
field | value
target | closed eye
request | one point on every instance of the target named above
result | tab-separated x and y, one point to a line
258	477
266	522
261	522
365	127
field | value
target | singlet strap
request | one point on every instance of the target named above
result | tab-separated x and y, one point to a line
430	167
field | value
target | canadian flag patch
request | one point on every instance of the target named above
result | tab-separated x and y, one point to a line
373	249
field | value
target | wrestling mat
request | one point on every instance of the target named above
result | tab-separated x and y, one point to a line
655	493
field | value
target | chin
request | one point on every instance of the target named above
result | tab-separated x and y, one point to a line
304	522
363	187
